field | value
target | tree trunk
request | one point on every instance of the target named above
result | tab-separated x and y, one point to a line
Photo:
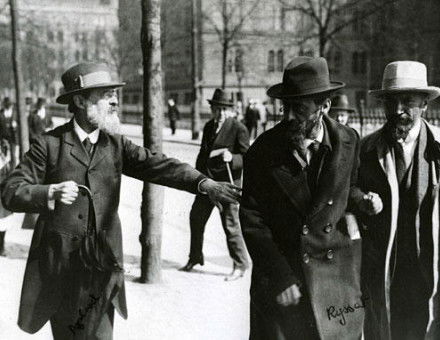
18	79
152	195
195	114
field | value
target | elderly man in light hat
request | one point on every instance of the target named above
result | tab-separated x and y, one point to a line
71	176
306	251
398	200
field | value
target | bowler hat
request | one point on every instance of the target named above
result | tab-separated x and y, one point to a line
340	102
304	76
221	97
406	76
85	76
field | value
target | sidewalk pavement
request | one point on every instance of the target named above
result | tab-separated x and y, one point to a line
133	130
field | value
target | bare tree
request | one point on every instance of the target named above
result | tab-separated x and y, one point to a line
152	195
18	77
232	15
326	18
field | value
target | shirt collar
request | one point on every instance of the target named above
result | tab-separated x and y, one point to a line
319	138
413	134
82	135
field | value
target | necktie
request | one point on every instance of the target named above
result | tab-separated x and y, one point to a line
88	145
400	161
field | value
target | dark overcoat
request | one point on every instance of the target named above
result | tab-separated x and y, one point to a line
59	156
233	136
296	238
377	174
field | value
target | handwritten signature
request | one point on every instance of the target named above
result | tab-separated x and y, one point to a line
83	313
334	312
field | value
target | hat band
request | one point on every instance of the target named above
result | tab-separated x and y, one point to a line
93	78
309	84
393	83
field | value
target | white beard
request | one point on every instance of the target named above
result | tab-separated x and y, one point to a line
104	118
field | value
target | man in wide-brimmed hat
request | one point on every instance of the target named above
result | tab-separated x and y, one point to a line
340	109
306	251
398	200
225	141
71	176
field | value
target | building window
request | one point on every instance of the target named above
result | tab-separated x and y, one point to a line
354	63
229	66
280	61
60	36
135	99
363	62
271	62
61	56
188	98
359	62
77	55
76	36
50	36
239	61
337	62
105	2
85	54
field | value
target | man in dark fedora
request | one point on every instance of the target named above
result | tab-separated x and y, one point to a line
224	142
340	109
399	173
71	176
306	250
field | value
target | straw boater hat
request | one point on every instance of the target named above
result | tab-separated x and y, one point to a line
85	76
302	77
221	97
405	76
340	103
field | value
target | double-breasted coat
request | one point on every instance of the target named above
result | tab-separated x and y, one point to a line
377	174
59	156
296	238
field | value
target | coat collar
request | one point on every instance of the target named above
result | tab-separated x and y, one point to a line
78	151
291	178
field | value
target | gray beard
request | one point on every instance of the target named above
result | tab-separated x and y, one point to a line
399	128
297	133
107	122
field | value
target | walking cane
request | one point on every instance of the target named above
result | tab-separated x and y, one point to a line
229	173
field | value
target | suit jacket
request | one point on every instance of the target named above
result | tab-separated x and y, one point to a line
377	174
234	136
59	156
294	238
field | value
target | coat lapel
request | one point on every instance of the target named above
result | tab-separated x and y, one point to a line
100	149
77	149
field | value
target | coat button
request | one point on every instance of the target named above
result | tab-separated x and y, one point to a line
330	202
80	216
306	258
305	229
328	228
330	254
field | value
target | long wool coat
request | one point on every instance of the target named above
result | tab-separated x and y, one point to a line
377	174
59	156
294	237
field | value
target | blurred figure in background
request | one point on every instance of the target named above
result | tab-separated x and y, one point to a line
262	112
39	120
173	115
5	169
252	117
340	109
9	126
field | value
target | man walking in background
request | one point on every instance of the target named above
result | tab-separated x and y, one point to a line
8	123
224	142
173	115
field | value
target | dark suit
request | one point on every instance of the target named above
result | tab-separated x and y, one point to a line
298	233
234	137
55	283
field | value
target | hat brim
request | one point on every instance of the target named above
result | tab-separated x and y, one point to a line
65	97
341	109
432	91
278	91
215	102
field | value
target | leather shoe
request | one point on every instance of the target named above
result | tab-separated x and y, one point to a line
236	274
190	265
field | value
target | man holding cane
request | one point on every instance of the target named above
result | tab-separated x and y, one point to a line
224	142
74	275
